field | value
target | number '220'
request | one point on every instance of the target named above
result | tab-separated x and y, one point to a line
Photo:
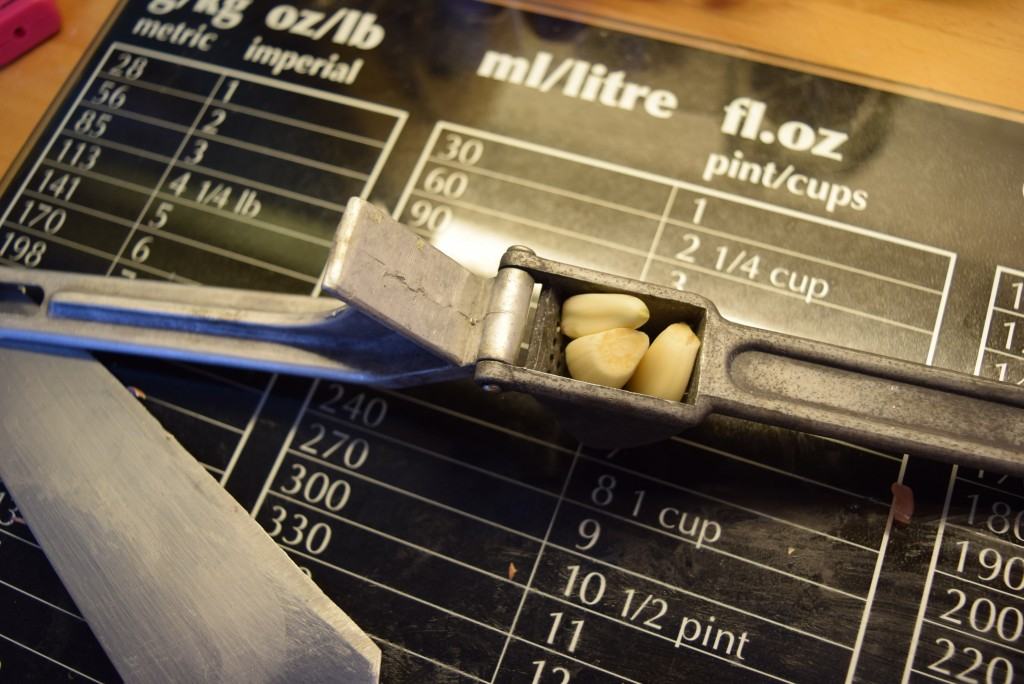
998	671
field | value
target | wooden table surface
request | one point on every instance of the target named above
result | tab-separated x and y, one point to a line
969	49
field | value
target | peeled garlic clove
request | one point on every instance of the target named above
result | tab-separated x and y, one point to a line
587	314
666	367
606	358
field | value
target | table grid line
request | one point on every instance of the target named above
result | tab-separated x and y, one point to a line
943	301
551	445
283	156
147	119
394	538
42	600
661	229
939	623
249	111
182	164
114	145
299	123
658	635
86	249
163	176
227	253
49	658
975	483
256	78
851	445
779	471
665	180
199	370
151	86
589	666
227	140
666	218
394	590
596	460
95	175
876	572
262	187
20	538
958	578
435	454
283	451
1011	312
1000	352
566	232
385	154
724	502
193	414
986	329
929	575
413	495
714	549
250	424
795	295
549	543
417	171
536	564
479	421
935	677
984	535
74	206
798	255
434	661
255	223
548	188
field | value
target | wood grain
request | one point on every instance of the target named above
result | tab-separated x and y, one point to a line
29	84
972	49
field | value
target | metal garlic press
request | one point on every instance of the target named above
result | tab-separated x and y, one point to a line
412	315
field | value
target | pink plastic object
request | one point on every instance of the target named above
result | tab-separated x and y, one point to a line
24	24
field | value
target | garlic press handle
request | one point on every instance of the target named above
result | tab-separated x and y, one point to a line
764	376
416	315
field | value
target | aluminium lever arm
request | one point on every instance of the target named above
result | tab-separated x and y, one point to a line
428	313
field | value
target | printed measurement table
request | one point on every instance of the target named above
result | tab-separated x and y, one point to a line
549	560
212	174
466	532
475	192
554	564
544	553
972	614
160	169
1001	356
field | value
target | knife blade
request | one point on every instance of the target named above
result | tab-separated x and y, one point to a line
175	579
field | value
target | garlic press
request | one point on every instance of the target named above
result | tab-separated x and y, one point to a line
403	313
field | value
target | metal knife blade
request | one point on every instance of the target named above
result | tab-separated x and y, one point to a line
176	580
